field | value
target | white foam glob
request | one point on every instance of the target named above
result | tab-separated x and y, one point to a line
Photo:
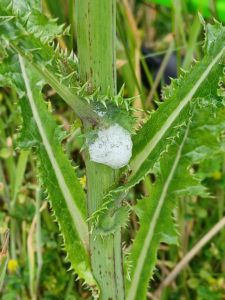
112	147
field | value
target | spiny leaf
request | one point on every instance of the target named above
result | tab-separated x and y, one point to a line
173	179
41	132
110	223
66	194
32	41
164	124
156	224
31	34
200	85
23	8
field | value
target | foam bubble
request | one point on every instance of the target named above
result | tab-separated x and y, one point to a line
113	147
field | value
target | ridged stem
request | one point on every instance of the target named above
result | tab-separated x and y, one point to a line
96	40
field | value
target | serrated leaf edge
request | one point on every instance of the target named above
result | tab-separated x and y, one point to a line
80	223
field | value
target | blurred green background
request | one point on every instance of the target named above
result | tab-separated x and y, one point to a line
206	7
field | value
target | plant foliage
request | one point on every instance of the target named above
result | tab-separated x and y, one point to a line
185	130
40	132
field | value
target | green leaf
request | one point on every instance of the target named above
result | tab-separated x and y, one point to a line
4	259
31	34
201	140
174	178
164	124
156	222
3	266
40	132
198	87
22	7
66	194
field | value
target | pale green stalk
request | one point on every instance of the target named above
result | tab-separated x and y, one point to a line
4	259
38	240
96	34
19	174
194	33
160	74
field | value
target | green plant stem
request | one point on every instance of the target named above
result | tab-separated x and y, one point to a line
71	18
194	33
160	74
122	33
4	259
96	42
178	29
96	38
38	240
105	251
19	174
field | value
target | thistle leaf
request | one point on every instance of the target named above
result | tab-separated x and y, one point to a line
31	34
164	124
198	87
41	132
156	224
173	179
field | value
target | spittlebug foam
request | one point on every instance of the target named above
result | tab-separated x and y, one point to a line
112	147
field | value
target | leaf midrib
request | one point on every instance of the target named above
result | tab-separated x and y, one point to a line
144	252
80	106
139	159
80	225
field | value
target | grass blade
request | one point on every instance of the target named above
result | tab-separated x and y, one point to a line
4	259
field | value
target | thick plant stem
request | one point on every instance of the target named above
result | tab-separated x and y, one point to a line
106	255
96	42
96	39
